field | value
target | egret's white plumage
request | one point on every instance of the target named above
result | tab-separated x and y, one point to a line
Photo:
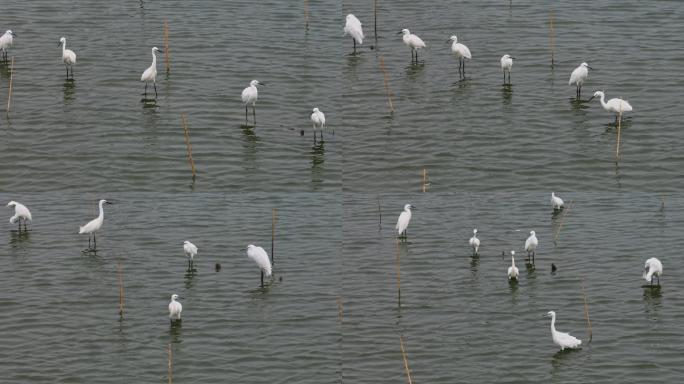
260	257
95	224
68	56
412	41
150	74
562	339
462	52
506	66
21	213
318	120
653	268
474	242
578	76
513	270
404	219
531	244
557	202
6	41
250	96
352	27
615	105
175	308
190	250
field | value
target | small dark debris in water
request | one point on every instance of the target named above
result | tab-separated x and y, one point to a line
301	132
280	278
553	268
372	47
218	267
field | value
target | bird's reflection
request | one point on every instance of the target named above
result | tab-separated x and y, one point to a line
19	237
69	89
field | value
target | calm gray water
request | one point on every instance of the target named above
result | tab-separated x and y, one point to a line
493	155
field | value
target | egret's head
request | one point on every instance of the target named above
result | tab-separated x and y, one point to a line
550	314
350	16
155	49
597	94
474	231
453	38
408	207
103	201
62	40
250	247
512	253
532	233
404	32
553	194
9	32
186	242
316	110
12	203
585	65
254	83
507	56
174	297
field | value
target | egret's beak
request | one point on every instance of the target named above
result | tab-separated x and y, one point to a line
14	34
260	83
107	202
400	32
513	58
591	98
589	67
448	41
59	44
160	51
413	207
243	249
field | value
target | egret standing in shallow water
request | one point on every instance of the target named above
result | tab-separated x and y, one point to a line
68	57
150	74
404	219
21	213
578	76
461	52
318	120
513	270
614	105
94	225
412	41
6	41
653	268
352	27
190	250
250	96
175	309
557	202
475	243
531	245
506	65
260	257
562	339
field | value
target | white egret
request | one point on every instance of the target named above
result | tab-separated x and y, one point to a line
150	74
412	41
68	57
531	245
175	309
250	95
21	213
461	52
578	76
404	219
318	120
260	257
6	41
562	339
474	242
653	268
506	65
94	225
513	270
557	202
352	27
190	250
615	105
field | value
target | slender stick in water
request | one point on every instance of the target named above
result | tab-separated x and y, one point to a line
387	89
403	355
425	178
560	226
9	96
121	290
379	215
375	20
170	362
340	308
273	221
306	13
586	313
552	36
187	144
166	46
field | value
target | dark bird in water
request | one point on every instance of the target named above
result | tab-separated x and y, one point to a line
218	267
553	268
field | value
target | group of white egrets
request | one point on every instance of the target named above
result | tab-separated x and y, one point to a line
653	268
579	75
22	215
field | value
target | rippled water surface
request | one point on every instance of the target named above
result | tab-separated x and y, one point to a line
492	155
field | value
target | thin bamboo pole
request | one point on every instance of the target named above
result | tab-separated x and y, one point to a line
375	20
387	89
166	46
586	313
406	365
9	96
170	364
306	14
121	290
552	37
424	179
187	144
340	308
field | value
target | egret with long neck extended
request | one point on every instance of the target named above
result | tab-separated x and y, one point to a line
615	105
94	225
475	243
150	74
562	339
68	57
